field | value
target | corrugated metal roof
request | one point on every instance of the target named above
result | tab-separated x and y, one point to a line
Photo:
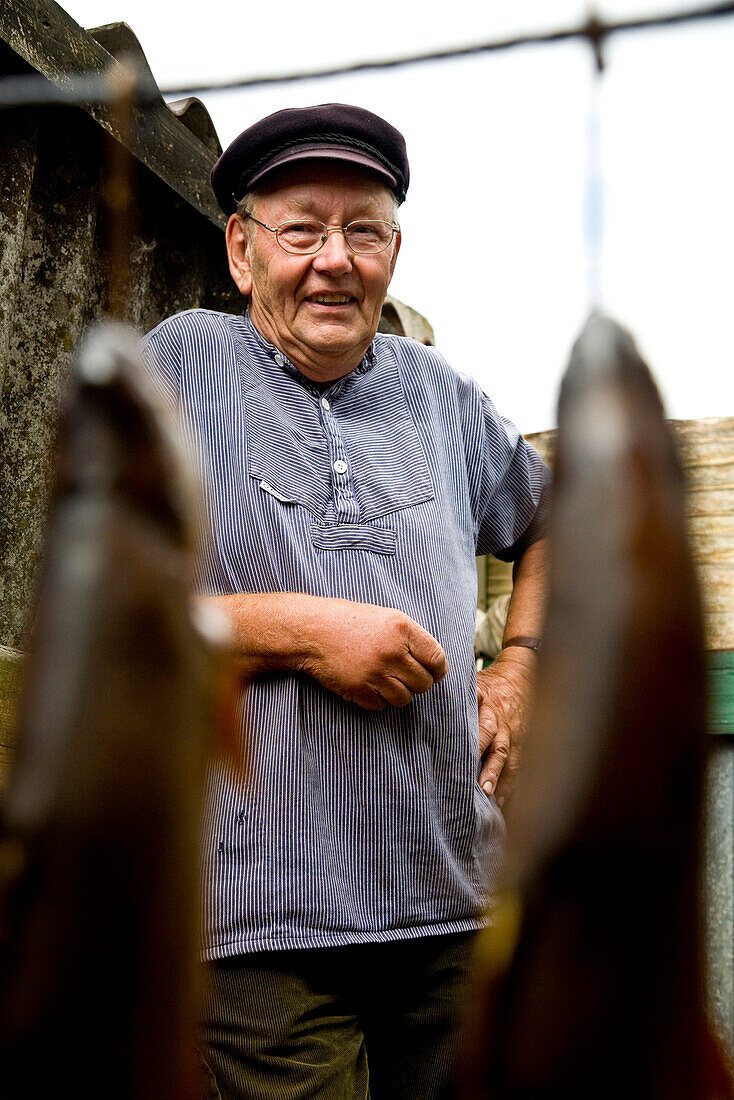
179	145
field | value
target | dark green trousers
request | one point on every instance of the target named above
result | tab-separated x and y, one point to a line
377	1021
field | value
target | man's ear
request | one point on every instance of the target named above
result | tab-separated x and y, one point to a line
238	251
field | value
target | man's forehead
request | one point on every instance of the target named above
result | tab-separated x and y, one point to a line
305	186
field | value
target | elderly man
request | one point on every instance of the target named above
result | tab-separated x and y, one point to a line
350	480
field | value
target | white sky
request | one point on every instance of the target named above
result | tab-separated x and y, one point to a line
495	241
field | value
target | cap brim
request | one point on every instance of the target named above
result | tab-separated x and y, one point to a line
325	152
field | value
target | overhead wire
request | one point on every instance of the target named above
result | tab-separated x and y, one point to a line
594	30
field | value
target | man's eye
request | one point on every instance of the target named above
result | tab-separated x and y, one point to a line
364	229
369	236
300	232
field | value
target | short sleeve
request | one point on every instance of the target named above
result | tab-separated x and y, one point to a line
160	351
510	485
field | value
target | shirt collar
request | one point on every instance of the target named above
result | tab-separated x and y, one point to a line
282	361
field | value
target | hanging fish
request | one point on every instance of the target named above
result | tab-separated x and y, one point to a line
591	980
99	835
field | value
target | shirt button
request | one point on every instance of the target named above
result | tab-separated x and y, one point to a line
325	403
340	466
279	359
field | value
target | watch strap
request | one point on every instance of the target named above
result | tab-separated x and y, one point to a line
522	640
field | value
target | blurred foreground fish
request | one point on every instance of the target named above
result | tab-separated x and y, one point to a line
591	981
98	850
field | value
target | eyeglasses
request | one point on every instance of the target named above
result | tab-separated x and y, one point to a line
366	238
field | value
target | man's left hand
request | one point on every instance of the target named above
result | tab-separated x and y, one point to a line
503	697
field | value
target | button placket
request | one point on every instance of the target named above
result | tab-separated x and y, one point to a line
345	503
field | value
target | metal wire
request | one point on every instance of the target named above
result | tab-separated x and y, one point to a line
92	89
594	30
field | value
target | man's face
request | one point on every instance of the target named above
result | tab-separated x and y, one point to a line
324	339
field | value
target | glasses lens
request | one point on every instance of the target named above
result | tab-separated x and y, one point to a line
368	236
301	236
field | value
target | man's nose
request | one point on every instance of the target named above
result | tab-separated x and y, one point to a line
334	255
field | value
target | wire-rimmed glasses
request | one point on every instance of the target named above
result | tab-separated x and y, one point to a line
303	238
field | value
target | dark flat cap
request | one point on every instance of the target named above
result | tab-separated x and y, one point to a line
332	131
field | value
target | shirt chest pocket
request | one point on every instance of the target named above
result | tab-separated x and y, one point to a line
351	467
286	454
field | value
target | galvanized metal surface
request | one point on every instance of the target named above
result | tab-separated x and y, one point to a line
719	885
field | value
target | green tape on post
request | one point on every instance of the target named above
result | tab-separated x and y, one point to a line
720	666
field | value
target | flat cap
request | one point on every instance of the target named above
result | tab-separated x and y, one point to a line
331	131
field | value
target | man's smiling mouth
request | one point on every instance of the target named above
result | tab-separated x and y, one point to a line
331	299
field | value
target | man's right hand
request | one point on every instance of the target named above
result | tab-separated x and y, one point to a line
373	656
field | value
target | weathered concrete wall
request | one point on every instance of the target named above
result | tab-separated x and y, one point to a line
52	284
53	273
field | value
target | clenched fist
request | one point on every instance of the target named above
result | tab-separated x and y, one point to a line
373	656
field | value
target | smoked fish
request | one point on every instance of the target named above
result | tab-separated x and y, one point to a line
99	828
590	982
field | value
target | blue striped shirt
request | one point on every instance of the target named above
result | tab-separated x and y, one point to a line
353	826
